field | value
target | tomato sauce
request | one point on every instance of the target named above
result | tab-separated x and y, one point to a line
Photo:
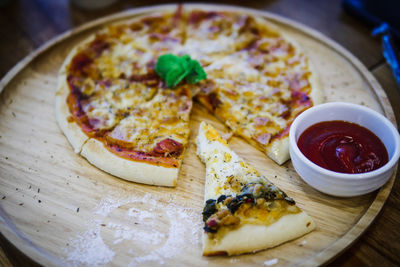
342	146
168	162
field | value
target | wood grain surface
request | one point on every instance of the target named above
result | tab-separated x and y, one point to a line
379	244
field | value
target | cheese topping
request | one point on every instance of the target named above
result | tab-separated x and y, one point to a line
257	81
221	162
164	116
260	85
236	193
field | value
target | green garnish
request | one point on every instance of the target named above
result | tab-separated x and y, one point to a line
173	69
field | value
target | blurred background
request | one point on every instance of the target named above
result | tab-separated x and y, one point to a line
27	24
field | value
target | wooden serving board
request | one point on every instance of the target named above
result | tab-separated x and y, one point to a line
60	210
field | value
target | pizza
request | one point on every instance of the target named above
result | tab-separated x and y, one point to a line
113	108
243	212
124	118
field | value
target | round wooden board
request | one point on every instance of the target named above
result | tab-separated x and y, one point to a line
58	209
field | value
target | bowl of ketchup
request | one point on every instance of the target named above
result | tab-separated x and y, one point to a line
344	149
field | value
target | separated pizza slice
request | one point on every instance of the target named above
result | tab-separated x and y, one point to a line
244	212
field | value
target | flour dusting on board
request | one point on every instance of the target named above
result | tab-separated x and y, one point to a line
271	262
146	229
89	249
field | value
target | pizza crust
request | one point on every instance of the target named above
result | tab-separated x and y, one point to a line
317	95
251	237
135	171
278	150
71	130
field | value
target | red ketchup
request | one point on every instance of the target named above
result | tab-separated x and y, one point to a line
342	146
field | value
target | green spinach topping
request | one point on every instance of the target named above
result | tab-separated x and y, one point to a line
173	69
266	191
209	209
248	194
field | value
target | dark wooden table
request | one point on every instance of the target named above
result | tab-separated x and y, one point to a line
27	24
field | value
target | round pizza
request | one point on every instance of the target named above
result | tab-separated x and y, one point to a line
128	113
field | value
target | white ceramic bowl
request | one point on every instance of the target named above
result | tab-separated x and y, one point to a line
343	184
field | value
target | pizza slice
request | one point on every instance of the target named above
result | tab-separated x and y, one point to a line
261	85
116	111
244	212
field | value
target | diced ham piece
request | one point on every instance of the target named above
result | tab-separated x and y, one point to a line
105	82
143	77
168	147
264	138
177	16
214	101
300	97
297	83
186	106
98	45
80	62
198	15
261	121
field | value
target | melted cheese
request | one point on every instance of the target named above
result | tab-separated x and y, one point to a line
227	174
257	82
155	120
250	83
221	163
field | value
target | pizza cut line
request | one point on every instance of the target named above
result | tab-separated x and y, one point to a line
243	212
120	115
